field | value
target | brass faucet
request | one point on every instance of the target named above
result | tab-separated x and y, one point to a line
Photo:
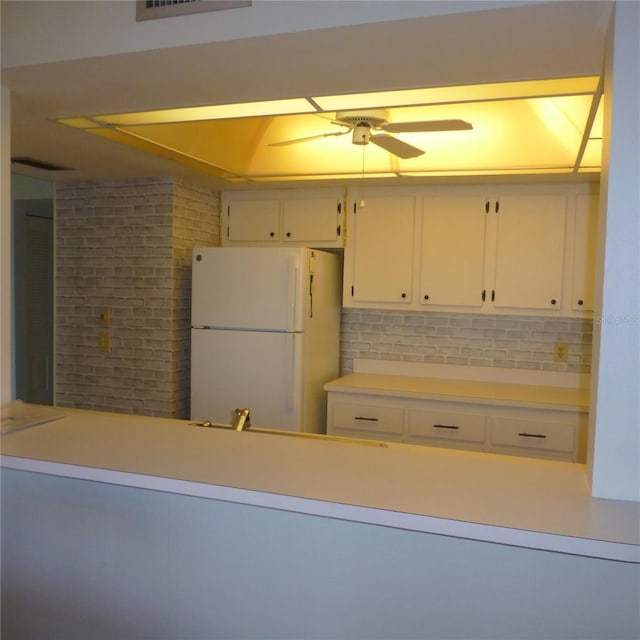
242	420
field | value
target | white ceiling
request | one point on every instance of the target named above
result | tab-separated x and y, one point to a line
532	41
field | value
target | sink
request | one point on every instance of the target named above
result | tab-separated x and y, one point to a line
293	434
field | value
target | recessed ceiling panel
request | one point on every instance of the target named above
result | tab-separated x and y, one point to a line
523	127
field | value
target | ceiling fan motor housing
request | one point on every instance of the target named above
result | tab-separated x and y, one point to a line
362	122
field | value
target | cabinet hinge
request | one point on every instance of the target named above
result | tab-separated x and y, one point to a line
493	295
339	230
497	206
486	207
355	207
484	295
352	289
339	207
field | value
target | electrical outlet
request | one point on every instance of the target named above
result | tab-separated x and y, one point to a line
104	341
561	352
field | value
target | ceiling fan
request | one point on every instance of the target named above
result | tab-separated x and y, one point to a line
362	125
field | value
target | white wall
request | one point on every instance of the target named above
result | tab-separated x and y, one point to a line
89	560
615	417
86	28
6	235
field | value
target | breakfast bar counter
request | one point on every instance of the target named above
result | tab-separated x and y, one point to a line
521	502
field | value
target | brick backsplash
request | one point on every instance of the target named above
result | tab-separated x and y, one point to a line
126	246
474	340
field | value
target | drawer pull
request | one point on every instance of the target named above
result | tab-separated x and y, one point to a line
524	434
445	426
367	419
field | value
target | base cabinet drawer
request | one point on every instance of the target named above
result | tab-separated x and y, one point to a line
557	439
446	428
367	420
502	429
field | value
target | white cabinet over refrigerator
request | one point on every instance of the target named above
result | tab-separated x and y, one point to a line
265	325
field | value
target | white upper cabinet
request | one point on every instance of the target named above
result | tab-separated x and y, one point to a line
452	264
584	252
530	251
380	263
311	219
510	249
253	221
301	218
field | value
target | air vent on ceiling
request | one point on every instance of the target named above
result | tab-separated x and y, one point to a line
38	164
153	9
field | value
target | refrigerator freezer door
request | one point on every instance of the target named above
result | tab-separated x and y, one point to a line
250	288
260	371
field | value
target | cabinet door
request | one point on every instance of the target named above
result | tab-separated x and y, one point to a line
369	419
446	428
383	250
253	221
311	220
584	252
452	260
530	252
538	437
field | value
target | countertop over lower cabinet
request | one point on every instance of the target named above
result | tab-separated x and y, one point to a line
536	504
519	419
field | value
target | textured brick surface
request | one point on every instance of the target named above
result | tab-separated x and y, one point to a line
125	246
475	340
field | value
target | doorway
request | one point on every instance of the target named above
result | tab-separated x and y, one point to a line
33	302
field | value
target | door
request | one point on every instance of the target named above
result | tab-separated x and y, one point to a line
260	371
253	221
34	300
452	260
310	219
584	252
530	252
383	250
250	288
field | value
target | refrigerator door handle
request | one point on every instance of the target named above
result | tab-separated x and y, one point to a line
294	269
290	386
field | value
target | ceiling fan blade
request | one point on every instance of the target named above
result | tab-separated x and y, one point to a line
319	136
395	146
427	125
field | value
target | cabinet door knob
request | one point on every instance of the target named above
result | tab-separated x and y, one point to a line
553	301
580	302
404	295
288	234
426	297
272	234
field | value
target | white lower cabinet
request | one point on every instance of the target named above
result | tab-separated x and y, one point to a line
505	429
366	419
546	435
447	427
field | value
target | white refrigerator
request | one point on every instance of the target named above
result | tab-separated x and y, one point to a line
265	335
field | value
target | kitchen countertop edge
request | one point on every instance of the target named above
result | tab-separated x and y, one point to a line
481	532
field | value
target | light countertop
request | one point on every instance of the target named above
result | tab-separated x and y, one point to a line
468	391
531	503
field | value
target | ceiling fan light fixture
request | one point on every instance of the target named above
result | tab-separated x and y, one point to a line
361	133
